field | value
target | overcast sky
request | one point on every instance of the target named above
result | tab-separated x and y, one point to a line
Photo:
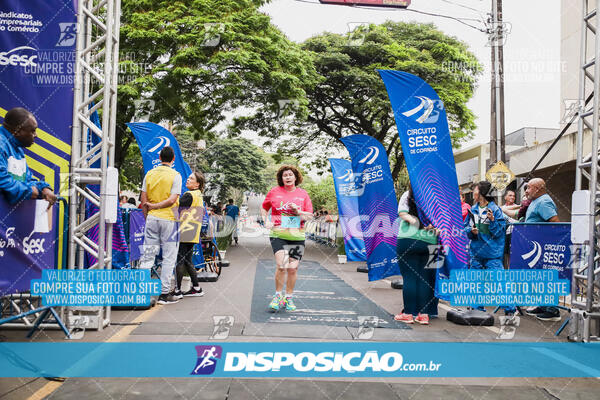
531	53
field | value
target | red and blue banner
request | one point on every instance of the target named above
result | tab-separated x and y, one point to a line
542	246
377	204
347	201
37	59
427	147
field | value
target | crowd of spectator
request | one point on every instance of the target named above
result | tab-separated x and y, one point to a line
488	227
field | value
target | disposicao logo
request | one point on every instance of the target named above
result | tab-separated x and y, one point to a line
534	254
207	359
68	34
352	362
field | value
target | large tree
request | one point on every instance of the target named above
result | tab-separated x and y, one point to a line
351	98
233	165
322	195
196	61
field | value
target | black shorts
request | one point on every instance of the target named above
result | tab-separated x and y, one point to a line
294	248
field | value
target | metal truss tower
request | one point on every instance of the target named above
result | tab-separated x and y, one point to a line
92	160
585	296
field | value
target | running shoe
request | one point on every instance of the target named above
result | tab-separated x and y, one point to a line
406	318
277	302
550	314
167	299
422	319
289	304
177	294
534	311
194	293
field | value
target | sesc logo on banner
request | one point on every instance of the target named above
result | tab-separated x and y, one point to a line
351	184
543	246
426	112
21	56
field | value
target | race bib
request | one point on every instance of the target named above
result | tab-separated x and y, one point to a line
290	222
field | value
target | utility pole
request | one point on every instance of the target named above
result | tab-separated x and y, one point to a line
496	40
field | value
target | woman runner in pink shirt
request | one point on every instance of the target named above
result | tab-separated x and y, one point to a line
290	206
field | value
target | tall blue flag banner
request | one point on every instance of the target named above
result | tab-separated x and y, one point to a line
377	204
347	201
37	57
151	138
542	246
423	129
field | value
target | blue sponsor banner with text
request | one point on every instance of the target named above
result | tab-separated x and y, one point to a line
347	201
37	58
137	223
151	138
299	359
427	148
377	202
542	246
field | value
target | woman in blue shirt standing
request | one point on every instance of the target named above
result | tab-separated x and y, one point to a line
486	228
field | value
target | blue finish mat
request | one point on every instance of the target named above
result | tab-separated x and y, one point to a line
321	298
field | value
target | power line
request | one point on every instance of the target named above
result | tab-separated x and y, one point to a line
461	20
463	6
481	13
457	19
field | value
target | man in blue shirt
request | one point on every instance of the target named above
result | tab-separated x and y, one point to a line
232	211
16	182
541	209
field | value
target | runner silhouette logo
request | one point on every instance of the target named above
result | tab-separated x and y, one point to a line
207	359
68	34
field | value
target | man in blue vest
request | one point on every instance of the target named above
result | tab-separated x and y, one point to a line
16	182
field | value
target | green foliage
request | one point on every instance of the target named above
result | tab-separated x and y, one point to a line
339	241
350	97
235	165
131	172
223	242
322	195
198	60
402	182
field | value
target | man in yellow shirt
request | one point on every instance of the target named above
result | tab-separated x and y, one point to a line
160	193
